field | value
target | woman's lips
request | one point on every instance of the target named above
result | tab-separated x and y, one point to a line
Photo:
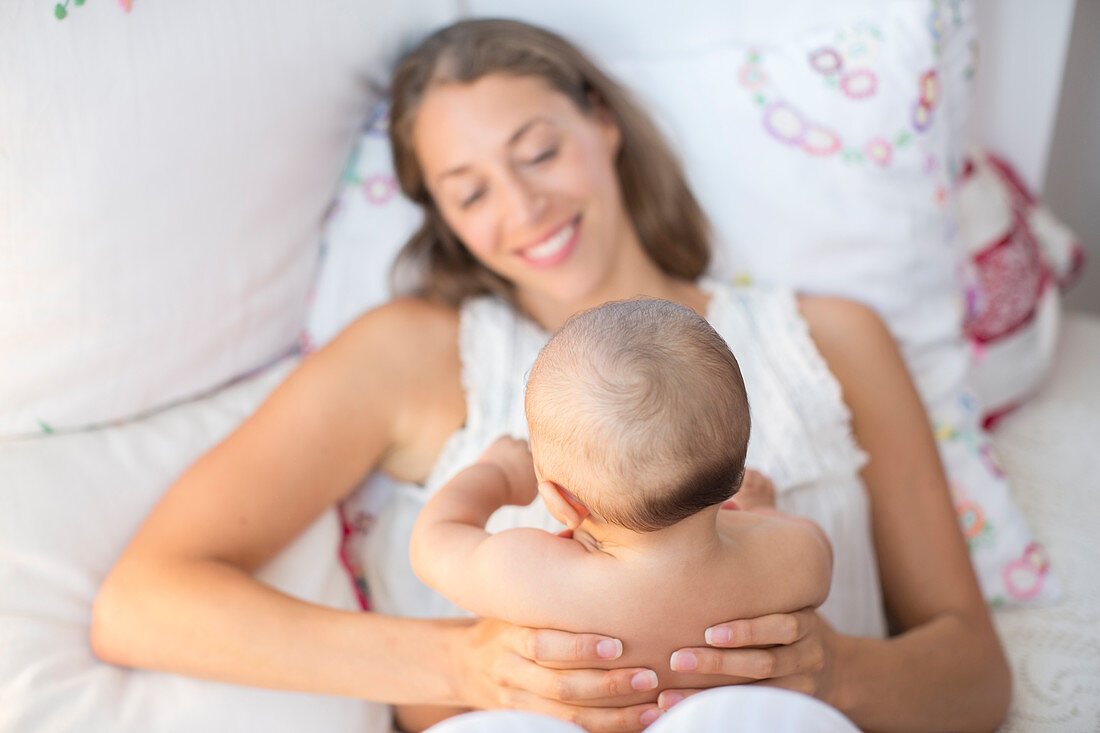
554	249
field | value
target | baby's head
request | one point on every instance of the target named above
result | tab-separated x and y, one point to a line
637	408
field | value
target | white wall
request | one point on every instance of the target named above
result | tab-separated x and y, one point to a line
1073	178
1021	62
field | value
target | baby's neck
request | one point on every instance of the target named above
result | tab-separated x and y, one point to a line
696	535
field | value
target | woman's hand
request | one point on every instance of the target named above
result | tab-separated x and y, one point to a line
795	651
501	665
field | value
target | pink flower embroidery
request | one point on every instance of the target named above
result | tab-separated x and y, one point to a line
859	84
826	61
929	87
784	123
751	77
820	141
879	151
379	189
1024	577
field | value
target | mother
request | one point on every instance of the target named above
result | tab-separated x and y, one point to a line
546	188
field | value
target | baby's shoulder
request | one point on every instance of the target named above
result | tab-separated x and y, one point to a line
783	561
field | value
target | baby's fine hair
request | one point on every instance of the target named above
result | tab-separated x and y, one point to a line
638	408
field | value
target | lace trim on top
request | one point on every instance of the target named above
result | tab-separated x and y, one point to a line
492	339
801	426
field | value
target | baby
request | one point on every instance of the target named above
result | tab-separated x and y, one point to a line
639	426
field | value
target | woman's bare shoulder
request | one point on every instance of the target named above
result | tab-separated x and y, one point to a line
401	342
403	358
403	326
851	338
835	321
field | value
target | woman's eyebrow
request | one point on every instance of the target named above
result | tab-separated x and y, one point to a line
524	128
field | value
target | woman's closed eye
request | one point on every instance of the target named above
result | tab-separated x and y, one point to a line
472	198
544	156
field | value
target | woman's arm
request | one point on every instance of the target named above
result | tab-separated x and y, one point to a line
181	597
945	670
385	393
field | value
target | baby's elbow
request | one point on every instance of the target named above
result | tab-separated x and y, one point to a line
420	554
108	622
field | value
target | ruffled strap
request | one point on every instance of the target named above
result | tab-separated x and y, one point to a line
497	347
802	430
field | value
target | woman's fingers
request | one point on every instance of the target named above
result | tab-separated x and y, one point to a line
803	683
803	657
586	686
668	698
549	645
592	719
778	628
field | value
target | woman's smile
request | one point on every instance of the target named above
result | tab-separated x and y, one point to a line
555	248
526	180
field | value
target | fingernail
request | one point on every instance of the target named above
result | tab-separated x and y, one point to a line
718	635
609	649
650	715
668	699
683	661
644	680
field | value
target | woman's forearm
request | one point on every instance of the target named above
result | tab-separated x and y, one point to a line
209	619
946	675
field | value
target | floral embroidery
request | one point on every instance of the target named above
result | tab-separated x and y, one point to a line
379	189
879	151
1023	577
971	519
784	123
826	61
61	9
859	84
752	77
820	141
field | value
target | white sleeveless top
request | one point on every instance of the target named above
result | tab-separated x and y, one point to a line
801	438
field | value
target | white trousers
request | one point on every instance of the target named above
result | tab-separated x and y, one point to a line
736	709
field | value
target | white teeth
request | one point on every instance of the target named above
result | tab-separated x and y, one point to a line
551	246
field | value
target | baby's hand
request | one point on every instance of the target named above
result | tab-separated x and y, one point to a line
513	458
757	491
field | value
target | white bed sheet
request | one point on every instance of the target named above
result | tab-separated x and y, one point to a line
69	503
1049	450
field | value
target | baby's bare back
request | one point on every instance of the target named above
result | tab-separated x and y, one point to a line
659	603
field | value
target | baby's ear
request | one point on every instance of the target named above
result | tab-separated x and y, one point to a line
564	507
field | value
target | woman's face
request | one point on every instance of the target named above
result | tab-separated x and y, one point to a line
527	182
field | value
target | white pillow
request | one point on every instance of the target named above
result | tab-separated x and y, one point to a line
163	178
68	506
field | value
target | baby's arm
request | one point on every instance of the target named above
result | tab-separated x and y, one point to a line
449	531
510	574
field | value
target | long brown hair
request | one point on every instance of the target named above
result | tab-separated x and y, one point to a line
668	220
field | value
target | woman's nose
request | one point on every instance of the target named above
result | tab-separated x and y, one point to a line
525	203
